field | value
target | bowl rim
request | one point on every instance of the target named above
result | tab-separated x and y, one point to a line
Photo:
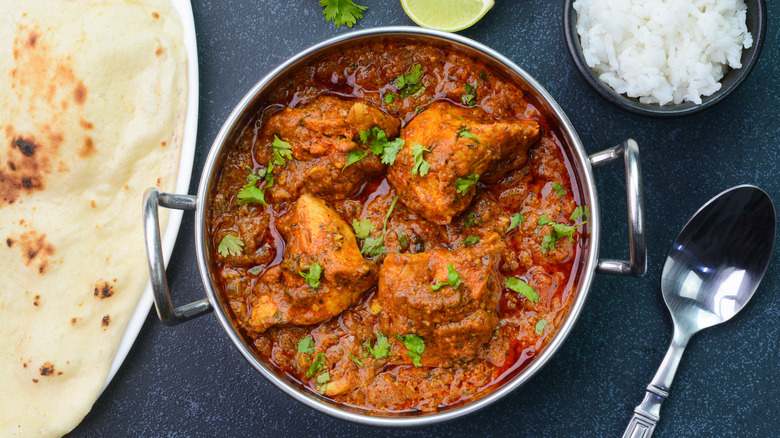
583	173
633	105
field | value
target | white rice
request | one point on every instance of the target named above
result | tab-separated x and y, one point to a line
663	51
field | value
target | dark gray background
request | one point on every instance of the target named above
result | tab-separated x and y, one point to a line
191	381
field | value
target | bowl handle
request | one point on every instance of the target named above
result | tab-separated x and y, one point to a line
629	151
162	296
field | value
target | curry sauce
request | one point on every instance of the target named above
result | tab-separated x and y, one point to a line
396	228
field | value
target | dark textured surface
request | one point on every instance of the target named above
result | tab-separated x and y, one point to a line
191	381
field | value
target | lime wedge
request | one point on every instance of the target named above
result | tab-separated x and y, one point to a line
447	15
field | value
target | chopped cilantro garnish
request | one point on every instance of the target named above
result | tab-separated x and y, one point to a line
468	98
580	211
421	166
312	277
408	84
472	219
256	270
381	348
375	246
250	193
453	279
354	156
306	345
342	12
376	139
230	245
403	240
322	382
414	347
390	97
471	240
282	152
559	191
362	228
316	364
514	221
540	326
465	131
357	361
462	185
522	287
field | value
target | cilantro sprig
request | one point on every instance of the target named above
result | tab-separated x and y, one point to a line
465	131
342	12
514	221
373	246
523	288
415	345
462	185
306	345
230	245
381	348
469	97
408	84
471	240
316	365
453	279
421	167
250	193
312	276
377	142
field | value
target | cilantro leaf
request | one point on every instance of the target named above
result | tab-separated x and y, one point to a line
540	326
472	219
462	185
414	347
354	156
373	246
313	276
250	193
408	83
564	230
390	97
559	191
421	166
453	279
471	240
468	98
362	228
403	240
282	152
548	242
342	12
230	245
381	348
256	270
322	382
465	131
514	221
387	150
522	287
316	364
306	345
579	212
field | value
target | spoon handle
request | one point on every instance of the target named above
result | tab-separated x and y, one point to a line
647	414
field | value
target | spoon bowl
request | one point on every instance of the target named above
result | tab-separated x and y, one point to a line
711	271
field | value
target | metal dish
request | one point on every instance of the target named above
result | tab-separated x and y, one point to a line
581	172
756	25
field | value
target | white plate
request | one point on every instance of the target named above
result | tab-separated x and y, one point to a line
186	159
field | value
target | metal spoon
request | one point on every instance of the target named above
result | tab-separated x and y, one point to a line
711	272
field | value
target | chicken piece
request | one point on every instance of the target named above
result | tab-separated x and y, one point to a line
454	321
321	136
315	235
462	145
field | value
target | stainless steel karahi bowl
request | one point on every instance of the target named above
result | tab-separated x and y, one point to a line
582	173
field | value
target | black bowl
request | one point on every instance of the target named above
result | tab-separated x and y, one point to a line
756	25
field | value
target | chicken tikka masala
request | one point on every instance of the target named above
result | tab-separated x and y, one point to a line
396	228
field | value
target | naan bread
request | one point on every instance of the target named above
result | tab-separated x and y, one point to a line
92	105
